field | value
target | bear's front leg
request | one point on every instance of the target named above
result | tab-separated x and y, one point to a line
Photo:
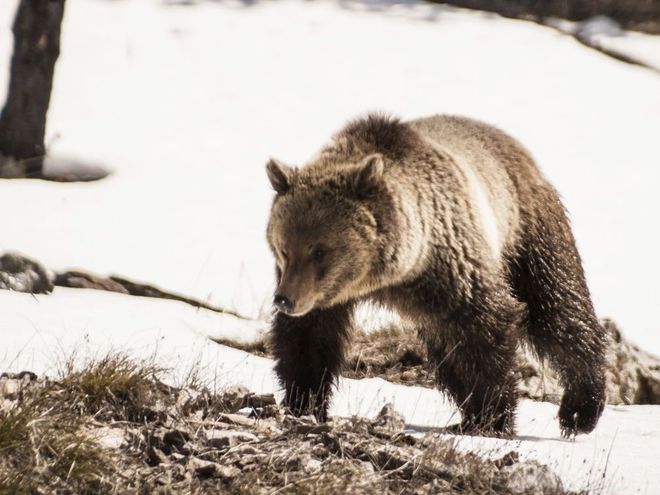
309	352
474	353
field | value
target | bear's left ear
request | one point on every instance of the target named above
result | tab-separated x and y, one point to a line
367	176
279	175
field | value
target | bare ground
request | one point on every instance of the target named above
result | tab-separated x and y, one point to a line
113	427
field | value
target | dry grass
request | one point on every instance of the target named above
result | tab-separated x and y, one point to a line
51	432
43	447
114	387
45	440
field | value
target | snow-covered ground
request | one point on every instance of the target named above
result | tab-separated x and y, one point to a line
185	101
40	333
606	33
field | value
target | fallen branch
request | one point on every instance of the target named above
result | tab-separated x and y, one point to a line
83	280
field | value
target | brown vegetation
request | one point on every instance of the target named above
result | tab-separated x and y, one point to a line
111	426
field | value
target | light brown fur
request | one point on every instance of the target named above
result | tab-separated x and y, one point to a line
449	222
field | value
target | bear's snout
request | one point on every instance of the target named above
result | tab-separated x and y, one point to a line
283	304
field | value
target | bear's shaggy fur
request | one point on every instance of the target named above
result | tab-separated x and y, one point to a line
449	222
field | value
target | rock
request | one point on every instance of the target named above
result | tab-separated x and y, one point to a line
11	384
109	438
222	439
236	419
23	274
9	387
531	478
202	468
176	438
260	400
209	469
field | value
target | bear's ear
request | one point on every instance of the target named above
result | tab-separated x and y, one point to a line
367	176
279	175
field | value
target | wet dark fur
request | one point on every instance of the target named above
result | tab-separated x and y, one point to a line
471	314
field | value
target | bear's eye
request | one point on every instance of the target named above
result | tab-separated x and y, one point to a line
318	254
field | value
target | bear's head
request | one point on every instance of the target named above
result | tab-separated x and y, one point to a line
324	231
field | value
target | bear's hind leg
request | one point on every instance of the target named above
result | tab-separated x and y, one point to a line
561	324
309	351
474	354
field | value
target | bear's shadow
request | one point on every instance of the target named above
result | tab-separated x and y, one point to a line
453	430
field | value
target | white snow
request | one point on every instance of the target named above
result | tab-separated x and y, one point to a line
604	32
185	101
41	333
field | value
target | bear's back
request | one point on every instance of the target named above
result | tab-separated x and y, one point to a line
494	164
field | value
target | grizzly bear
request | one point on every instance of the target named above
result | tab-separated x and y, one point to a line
448	222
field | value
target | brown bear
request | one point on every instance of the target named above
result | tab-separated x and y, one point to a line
448	222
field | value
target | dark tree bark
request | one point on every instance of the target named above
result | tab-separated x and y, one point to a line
23	120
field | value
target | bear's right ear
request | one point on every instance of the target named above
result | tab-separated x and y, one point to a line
367	176
279	175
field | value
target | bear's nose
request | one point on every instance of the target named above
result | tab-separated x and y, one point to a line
283	303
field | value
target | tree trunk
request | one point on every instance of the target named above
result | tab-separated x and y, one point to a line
23	120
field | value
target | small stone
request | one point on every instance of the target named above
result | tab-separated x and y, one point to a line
236	419
22	274
9	387
208	469
202	468
109	438
176	438
221	439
